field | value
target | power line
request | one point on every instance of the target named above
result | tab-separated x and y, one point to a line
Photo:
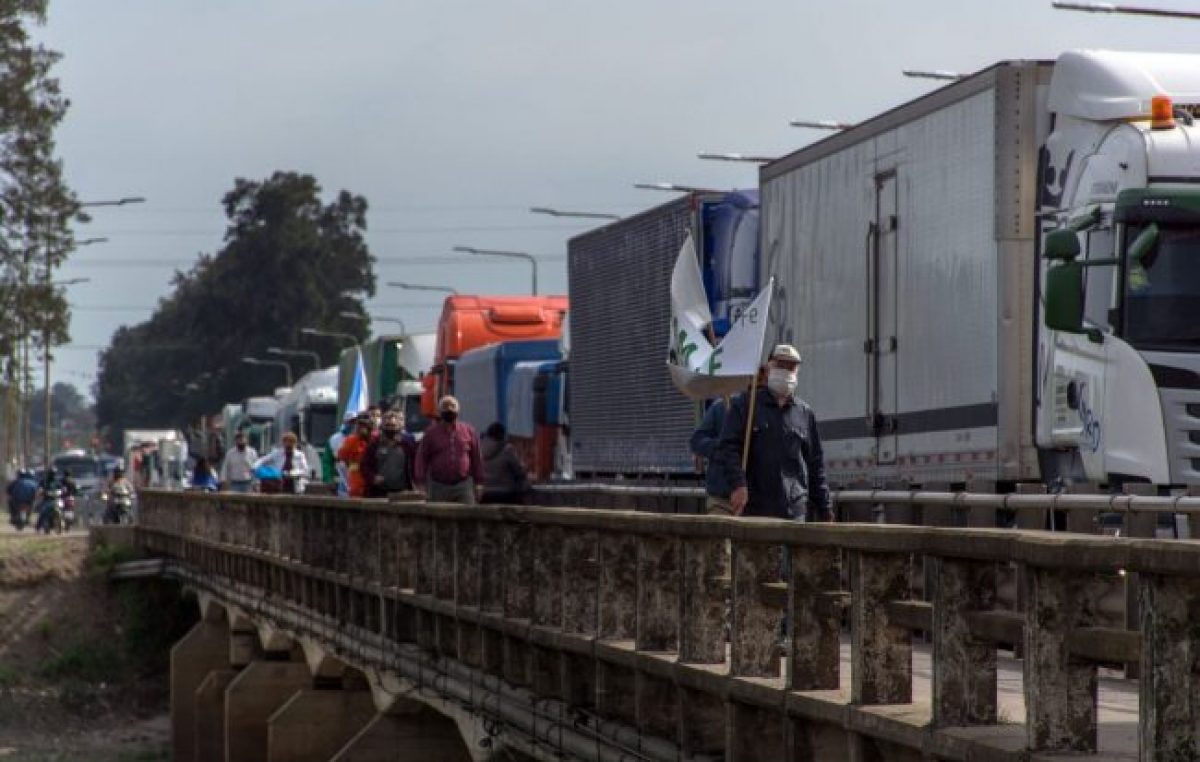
424	261
150	307
417	230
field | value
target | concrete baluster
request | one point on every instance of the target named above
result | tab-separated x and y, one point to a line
468	572
491	595
755	629
881	651
964	669
1060	690
580	587
518	598
815	606
1169	699
704	600
616	622
658	607
544	664
1142	524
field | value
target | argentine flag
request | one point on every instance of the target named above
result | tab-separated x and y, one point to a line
359	397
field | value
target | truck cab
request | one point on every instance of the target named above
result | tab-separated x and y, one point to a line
1119	201
474	321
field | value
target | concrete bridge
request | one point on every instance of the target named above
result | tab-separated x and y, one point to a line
363	630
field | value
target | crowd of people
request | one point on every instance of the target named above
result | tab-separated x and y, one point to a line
778	473
372	455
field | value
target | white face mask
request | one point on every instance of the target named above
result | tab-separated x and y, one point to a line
781	381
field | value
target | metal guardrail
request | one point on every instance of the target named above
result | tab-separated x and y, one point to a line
625	614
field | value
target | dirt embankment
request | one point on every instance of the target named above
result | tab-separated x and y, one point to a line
83	661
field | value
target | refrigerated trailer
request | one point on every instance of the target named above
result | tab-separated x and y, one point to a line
971	283
626	417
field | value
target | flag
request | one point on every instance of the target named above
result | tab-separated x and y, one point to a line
698	369
359	397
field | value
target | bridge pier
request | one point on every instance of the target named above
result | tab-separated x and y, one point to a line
251	698
420	736
313	725
208	731
204	649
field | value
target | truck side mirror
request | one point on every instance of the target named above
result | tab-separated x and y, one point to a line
1144	244
1061	245
1064	297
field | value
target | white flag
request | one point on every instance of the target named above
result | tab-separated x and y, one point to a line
698	369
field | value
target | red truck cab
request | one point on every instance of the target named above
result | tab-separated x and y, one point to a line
474	321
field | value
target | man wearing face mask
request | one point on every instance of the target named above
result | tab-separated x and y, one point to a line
784	476
449	465
386	463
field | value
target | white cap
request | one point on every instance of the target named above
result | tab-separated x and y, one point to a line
785	352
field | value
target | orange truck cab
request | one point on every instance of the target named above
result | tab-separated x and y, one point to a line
475	321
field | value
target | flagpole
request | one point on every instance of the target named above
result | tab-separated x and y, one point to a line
749	423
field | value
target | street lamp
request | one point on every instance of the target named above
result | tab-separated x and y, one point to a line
329	335
364	318
561	213
90	241
947	76
422	287
1130	9
116	202
46	369
287	369
711	156
316	358
508	254
821	124
674	188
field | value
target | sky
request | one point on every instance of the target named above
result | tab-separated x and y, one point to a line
453	118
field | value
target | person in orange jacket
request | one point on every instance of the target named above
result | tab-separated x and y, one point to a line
353	448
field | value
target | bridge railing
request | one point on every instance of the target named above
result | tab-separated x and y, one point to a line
628	614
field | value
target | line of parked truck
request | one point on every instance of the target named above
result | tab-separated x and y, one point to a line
998	281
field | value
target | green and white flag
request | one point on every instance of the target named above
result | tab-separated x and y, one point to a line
698	369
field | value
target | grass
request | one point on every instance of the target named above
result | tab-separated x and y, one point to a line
104	558
90	661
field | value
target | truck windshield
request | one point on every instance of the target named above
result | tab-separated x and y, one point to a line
79	468
1162	292
322	420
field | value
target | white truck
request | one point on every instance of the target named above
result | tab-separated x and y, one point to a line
309	409
1001	280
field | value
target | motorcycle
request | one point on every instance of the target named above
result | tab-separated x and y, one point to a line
119	508
50	512
18	515
68	512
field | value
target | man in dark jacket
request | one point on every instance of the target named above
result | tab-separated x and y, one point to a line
388	461
704	443
506	479
785	473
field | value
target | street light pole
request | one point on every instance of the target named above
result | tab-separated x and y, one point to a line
329	335
115	202
562	213
46	369
509	254
715	156
422	287
316	358
364	318
287	369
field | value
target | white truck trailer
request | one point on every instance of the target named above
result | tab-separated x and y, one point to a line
1001	280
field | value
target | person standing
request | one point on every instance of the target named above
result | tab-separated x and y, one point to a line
332	471
386	464
352	451
449	464
784	476
704	442
237	470
506	480
289	460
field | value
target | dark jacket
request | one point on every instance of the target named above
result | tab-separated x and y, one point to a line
503	467
380	458
786	470
704	443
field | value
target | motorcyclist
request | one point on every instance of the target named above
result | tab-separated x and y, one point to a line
51	483
120	497
22	491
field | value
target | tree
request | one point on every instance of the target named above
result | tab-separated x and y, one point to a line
36	206
289	261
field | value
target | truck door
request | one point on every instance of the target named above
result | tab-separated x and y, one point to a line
883	318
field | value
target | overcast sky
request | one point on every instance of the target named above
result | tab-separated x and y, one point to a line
453	118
